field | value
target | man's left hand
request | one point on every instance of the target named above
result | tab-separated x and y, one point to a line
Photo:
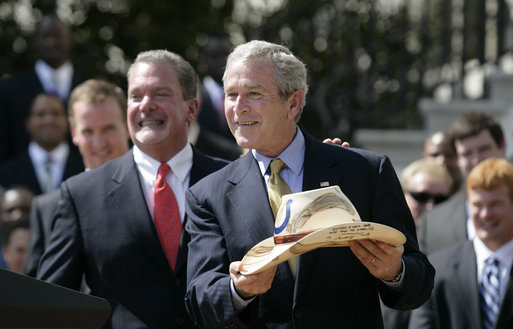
381	259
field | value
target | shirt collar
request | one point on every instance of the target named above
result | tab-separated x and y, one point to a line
39	155
504	254
63	75
180	164
293	155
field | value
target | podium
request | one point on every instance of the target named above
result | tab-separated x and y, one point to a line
26	302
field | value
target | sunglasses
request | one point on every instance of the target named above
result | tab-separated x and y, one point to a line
424	197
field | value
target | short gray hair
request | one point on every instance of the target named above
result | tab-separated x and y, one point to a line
186	74
290	74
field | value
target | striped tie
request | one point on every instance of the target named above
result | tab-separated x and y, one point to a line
490	293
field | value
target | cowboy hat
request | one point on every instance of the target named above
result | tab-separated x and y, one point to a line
309	220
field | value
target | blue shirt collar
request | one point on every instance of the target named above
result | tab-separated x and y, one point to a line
293	155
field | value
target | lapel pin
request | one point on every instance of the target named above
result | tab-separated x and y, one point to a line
324	184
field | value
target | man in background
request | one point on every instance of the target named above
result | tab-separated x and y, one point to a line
97	118
438	146
48	158
15	244
476	137
53	73
15	205
473	288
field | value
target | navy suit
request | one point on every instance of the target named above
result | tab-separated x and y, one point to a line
229	212
20	171
454	303
103	228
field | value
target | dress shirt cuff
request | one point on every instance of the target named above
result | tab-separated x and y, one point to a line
238	302
399	283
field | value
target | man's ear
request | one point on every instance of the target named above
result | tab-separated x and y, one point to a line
193	110
296	103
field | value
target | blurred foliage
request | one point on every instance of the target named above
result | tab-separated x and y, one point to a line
369	61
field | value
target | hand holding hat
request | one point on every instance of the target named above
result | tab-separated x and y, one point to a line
309	220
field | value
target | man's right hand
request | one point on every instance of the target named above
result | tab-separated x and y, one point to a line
248	286
336	141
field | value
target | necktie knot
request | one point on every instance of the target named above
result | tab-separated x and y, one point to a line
276	166
160	183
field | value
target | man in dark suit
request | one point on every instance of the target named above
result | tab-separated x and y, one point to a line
458	298
475	137
104	225
212	60
53	73
229	212
48	159
97	119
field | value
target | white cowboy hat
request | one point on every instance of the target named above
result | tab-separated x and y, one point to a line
309	220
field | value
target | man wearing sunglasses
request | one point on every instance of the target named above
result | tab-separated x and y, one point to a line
425	183
475	137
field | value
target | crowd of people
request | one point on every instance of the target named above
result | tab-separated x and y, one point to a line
150	199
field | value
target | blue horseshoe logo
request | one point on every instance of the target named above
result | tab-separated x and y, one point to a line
278	230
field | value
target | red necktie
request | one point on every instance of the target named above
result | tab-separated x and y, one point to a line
167	216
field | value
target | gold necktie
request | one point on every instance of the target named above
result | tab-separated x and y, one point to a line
277	188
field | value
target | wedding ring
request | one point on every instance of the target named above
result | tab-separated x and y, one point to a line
373	260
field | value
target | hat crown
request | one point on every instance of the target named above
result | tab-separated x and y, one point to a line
313	210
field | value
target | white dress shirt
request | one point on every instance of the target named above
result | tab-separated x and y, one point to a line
39	157
504	255
178	177
55	80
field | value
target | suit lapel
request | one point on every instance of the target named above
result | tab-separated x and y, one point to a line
248	182
318	170
505	319
126	190
466	278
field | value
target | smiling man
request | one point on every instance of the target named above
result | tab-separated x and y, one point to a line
109	222
229	212
97	118
472	286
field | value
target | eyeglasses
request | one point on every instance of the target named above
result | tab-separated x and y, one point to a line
424	197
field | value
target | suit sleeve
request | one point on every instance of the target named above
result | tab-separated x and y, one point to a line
62	261
208	297
36	240
425	317
391	209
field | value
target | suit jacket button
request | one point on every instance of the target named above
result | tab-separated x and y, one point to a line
298	313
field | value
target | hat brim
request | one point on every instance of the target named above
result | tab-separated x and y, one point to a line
267	254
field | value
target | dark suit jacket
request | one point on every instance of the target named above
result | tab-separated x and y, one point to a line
444	225
103	228
229	213
20	171
41	218
208	117
217	146
454	303
17	95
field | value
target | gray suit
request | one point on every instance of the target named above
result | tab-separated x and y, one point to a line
41	218
103	228
444	225
454	303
